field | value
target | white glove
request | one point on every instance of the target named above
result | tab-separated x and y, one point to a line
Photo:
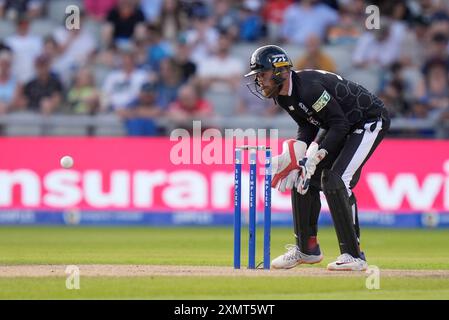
284	167
308	166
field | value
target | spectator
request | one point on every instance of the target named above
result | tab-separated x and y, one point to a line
438	47
75	48
203	37
434	89
83	97
168	84
221	72
188	106
10	89
377	48
251	24
123	21
226	18
98	10
158	48
121	87
395	92
314	57
172	20
140	116
416	43
26	48
43	94
11	9
304	17
347	30
273	14
182	58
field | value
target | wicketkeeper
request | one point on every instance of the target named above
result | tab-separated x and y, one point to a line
340	124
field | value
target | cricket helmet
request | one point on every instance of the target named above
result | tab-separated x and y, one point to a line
268	57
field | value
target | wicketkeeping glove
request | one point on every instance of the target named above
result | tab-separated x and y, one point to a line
284	167
308	166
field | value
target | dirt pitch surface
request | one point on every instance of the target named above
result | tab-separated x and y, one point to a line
167	270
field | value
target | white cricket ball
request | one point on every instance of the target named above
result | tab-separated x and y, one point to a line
67	162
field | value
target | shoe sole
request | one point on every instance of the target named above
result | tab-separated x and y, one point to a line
346	269
298	263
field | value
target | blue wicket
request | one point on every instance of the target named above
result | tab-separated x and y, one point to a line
252	206
237	207
267	211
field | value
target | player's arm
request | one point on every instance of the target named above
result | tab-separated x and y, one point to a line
307	132
332	116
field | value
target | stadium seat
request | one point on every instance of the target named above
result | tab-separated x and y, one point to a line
365	77
22	124
224	103
108	125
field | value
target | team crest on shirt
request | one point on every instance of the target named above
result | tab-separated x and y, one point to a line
322	101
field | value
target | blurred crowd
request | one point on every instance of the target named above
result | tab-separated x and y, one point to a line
151	59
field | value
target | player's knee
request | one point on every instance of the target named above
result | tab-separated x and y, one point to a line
331	181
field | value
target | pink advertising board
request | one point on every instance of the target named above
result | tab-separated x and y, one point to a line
156	174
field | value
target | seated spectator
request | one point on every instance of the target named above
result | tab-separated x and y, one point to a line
11	9
434	89
222	72
188	107
438	48
75	48
182	57
121	87
346	31
226	18
314	57
168	82
416	43
26	48
10	89
140	115
98	10
83	97
203	37
172	19
123	21
419	109
250	21
273	15
377	48
306	17
44	93
395	92
158	48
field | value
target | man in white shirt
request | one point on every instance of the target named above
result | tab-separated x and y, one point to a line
221	72
122	87
305	18
75	46
26	49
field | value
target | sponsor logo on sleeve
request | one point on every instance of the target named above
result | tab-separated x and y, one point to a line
322	101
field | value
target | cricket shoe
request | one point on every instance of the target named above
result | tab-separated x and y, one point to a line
346	262
294	257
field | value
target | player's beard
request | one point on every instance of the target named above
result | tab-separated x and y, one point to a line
271	92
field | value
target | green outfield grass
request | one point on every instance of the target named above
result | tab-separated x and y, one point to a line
387	249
